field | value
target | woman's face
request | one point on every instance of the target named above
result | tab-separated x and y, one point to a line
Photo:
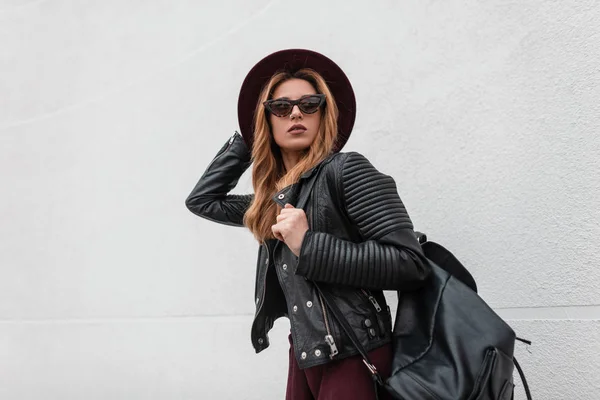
297	131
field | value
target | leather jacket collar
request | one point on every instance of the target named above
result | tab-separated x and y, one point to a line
291	193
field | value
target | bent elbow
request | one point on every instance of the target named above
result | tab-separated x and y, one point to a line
195	204
190	202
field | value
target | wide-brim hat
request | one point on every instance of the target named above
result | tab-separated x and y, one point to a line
292	60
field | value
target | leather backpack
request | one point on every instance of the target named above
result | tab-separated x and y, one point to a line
448	343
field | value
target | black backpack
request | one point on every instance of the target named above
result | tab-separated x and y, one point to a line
448	343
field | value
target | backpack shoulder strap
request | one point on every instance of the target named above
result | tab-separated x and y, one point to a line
523	380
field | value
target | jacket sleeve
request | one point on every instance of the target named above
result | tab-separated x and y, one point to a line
389	257
210	198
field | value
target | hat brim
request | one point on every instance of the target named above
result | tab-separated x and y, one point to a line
293	60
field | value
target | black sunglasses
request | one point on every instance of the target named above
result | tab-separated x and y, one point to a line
308	104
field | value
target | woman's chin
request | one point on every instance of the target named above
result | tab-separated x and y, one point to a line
295	145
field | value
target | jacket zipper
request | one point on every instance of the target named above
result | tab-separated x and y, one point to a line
333	350
328	338
372	300
222	152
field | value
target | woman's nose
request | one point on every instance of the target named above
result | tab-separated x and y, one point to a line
296	113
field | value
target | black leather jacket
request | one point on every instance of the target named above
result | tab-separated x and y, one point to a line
360	241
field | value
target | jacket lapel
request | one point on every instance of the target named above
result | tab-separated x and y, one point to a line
297	194
288	194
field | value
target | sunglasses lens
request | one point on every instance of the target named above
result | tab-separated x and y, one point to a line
310	105
283	107
280	108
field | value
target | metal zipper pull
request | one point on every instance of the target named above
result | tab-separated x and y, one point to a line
332	346
328	337
372	300
375	303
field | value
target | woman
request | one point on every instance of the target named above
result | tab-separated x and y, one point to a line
350	234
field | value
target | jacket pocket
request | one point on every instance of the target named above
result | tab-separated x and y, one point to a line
507	391
380	313
494	380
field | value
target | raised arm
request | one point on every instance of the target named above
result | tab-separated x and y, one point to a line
210	198
389	256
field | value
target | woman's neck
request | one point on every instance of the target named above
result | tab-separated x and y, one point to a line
290	159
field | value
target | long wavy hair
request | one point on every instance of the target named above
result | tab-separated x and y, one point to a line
269	174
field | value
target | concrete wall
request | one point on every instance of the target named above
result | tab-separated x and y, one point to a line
486	113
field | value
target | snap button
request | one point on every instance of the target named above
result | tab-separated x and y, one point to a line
368	323
372	332
284	266
281	196
303	355
318	353
295	308
309	304
267	261
260	341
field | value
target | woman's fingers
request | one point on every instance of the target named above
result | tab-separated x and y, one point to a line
281	217
289	212
277	232
289	221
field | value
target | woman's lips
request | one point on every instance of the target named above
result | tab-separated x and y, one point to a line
297	131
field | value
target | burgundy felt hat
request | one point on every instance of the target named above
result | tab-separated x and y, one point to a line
293	60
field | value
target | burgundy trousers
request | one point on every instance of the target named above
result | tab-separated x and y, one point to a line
345	379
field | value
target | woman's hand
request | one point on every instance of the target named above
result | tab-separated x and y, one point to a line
290	227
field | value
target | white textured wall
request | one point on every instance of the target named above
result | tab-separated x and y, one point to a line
486	113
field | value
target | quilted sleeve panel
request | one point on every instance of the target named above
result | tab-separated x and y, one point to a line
210	197
389	256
